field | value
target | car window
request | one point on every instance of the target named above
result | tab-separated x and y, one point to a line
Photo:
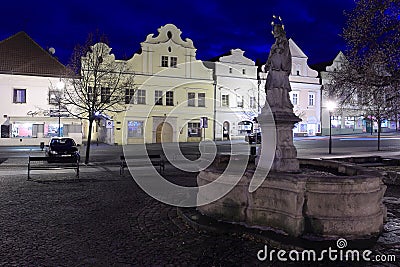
63	142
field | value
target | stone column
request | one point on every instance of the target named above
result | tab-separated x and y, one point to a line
285	159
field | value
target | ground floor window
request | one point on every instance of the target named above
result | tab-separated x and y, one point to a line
349	122
135	129
22	129
194	129
51	130
245	127
336	121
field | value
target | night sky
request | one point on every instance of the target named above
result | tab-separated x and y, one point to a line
215	28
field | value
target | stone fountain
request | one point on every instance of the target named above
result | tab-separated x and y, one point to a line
297	197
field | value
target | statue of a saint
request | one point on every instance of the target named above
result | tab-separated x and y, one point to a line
279	66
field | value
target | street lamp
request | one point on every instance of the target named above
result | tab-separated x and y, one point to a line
330	105
60	87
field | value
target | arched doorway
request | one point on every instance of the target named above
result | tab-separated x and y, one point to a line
164	133
225	131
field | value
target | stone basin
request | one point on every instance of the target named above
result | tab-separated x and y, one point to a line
333	200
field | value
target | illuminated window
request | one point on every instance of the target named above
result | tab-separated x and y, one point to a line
135	129
19	96
194	129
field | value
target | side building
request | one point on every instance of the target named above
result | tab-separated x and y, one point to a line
350	118
237	95
30	81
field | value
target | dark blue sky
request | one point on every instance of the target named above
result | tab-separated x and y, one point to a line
215	27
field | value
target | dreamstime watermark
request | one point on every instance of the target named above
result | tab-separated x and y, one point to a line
150	121
340	253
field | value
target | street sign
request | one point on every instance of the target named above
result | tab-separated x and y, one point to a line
203	122
109	124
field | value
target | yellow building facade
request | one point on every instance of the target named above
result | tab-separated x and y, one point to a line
173	96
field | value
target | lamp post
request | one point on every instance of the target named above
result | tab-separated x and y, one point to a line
330	106
60	87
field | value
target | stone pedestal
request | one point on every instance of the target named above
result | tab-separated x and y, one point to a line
285	159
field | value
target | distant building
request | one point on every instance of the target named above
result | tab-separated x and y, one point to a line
29	77
237	95
305	94
348	119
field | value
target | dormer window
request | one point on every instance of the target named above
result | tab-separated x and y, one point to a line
174	62
164	61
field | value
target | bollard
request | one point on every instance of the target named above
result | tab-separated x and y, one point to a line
41	145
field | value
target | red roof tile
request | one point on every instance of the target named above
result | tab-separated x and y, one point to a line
19	54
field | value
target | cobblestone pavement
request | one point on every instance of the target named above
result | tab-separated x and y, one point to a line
104	219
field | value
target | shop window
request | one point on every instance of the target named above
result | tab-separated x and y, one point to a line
135	129
194	129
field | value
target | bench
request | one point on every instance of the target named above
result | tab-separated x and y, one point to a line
50	163
156	159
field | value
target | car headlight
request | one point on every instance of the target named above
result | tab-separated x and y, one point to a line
53	152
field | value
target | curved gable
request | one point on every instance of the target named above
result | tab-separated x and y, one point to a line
169	32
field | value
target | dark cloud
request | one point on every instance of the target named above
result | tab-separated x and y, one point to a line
214	26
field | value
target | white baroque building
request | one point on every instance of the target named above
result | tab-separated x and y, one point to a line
237	95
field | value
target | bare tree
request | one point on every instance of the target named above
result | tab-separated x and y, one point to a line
369	78
97	85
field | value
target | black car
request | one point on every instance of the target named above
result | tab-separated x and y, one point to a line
62	149
253	138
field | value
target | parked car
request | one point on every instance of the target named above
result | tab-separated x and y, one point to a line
62	149
253	138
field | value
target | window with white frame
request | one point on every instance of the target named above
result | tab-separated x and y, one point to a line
169	98
140	97
201	100
225	100
173	62
295	98
158	97
135	129
194	129
129	93
164	61
253	103
311	99
191	99
19	96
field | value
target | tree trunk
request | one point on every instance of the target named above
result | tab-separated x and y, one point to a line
379	134
89	141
